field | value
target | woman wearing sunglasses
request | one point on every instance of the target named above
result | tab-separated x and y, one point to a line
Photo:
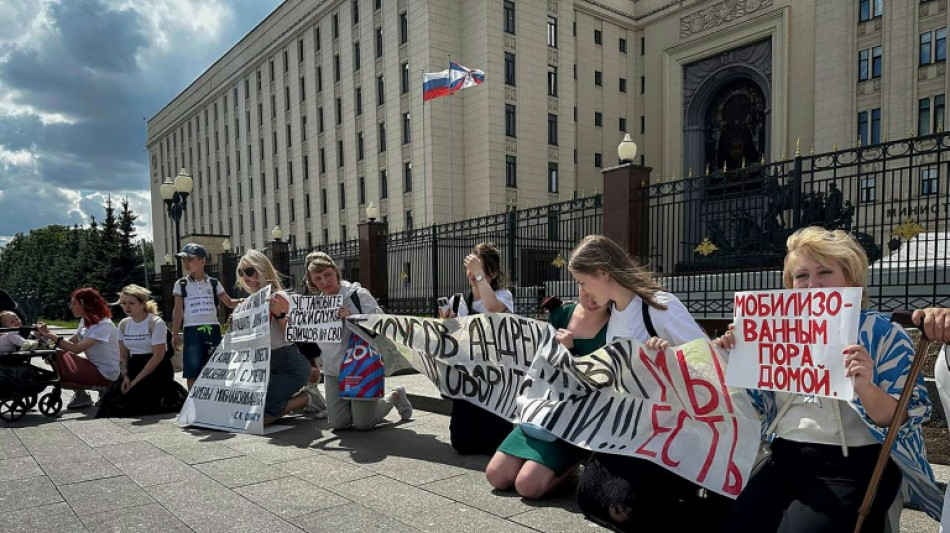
289	369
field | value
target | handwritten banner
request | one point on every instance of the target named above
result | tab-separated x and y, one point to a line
792	340
314	319
230	392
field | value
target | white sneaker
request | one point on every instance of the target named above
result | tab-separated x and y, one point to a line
401	401
80	400
316	403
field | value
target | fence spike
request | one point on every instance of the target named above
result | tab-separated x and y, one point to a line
834	146
812	150
743	162
672	175
707	169
940	125
595	190
762	160
783	153
724	166
798	147
859	141
690	176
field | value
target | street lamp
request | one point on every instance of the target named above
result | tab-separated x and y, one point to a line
277	233
627	150
226	245
372	212
168	259
175	194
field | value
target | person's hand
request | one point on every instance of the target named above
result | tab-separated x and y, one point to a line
565	337
43	330
126	384
728	340
935	322
446	313
176	340
859	365
343	312
474	266
656	343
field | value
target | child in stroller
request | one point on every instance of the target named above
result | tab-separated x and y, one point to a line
22	383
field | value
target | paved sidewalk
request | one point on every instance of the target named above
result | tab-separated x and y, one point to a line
77	473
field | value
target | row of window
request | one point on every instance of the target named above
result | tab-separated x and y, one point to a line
929	184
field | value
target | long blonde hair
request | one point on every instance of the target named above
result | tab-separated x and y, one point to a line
266	272
830	248
596	253
141	294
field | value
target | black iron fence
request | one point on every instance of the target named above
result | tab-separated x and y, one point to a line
723	232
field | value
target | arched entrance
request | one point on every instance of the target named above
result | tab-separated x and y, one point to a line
735	126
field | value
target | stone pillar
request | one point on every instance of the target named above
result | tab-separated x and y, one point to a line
169	278
625	208
278	251
373	272
227	263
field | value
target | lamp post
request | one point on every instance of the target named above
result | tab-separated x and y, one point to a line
625	207
373	254
627	149
175	194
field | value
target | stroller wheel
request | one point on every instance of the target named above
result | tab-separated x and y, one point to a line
51	404
13	409
30	401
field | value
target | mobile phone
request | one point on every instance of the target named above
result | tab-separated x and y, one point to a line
444	304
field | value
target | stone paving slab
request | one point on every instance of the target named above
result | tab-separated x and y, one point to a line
149	518
19	468
26	493
324	471
350	517
289	497
54	518
102	495
239	471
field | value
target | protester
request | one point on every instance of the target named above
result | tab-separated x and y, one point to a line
97	337
289	369
533	465
619	491
146	384
824	451
12	341
342	413
936	324
196	296
473	430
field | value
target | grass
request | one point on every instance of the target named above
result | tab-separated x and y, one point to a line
71	324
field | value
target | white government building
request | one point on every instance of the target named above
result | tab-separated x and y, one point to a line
319	111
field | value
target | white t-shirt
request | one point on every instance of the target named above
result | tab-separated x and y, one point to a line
812	419
104	353
673	325
137	339
198	305
503	295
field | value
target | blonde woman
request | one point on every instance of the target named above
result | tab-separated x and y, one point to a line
146	382
323	277
289	369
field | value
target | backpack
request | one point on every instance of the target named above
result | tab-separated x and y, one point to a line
183	285
152	320
469	299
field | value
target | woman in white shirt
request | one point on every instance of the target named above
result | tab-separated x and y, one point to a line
96	337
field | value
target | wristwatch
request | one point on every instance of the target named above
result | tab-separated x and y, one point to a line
479	278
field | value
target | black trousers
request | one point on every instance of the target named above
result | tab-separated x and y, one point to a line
813	488
473	430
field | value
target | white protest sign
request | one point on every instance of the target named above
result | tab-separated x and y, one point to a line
314	319
230	392
792	340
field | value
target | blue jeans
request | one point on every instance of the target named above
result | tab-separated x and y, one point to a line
289	372
197	347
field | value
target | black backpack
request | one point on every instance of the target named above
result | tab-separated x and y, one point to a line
183	285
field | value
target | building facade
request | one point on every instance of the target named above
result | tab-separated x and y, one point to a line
318	110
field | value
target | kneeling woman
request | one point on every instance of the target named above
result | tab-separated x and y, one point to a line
289	369
824	450
535	464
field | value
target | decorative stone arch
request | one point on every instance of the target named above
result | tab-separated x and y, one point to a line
703	82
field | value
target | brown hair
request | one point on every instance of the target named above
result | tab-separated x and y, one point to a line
491	261
318	262
596	253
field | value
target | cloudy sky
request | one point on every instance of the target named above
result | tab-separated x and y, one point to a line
78	78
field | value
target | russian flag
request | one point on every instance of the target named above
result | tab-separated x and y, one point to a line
464	77
436	84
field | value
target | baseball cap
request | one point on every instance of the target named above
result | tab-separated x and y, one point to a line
193	250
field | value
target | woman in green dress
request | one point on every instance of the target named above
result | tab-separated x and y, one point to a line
535	466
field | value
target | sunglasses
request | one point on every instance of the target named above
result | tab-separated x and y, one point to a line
248	272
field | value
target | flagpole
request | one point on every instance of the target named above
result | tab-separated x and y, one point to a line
425	156
451	172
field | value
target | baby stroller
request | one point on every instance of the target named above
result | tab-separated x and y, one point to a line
22	383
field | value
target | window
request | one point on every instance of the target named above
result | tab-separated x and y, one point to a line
339	153
598	78
339	111
273	106
940	51
359	146
933	46
622	124
510	129
324	204
320	123
362	190
319	79
306	170
552	178
938	108
643	84
552	32
925	48
863	128
358	97
290	172
868	9
336	67
622	43
598	160
316	39
380	96
404	79
336	26
552	81
382	137
403	28
623	85
274	141
876	60
377	5
300	50
509	17
876	126
598	37
643	124
288	137
356	56
306	212
287	98
509	68
929	180
303	128
379	43
923	116
342	196
552	130
511	171
383	184
867	189
323	160
258	80
598	119
407	176
355	9
406	128
405	266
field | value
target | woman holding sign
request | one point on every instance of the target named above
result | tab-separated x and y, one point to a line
289	369
535	463
623	492
824	450
323	276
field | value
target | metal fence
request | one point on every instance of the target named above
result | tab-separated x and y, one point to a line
723	232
